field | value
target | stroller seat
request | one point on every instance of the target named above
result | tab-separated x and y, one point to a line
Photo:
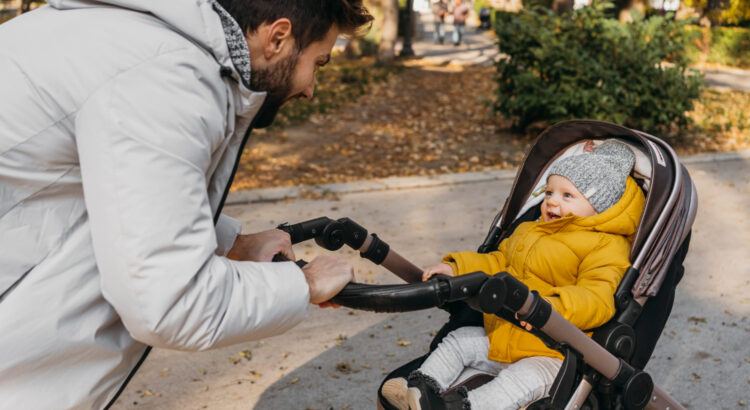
646	293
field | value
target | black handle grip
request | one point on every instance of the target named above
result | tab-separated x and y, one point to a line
303	231
394	298
279	257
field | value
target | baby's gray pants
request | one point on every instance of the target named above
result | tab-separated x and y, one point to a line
516	385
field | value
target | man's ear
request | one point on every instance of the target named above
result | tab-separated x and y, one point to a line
278	37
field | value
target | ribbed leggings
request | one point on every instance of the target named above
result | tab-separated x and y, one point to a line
516	384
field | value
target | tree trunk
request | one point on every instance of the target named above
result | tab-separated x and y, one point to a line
22	6
353	48
18	5
561	6
389	32
624	7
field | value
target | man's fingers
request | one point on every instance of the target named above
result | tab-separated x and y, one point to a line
287	252
285	245
262	246
326	276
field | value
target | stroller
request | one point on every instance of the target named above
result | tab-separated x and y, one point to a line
601	372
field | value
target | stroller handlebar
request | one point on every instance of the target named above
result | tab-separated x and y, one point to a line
393	298
332	234
412	296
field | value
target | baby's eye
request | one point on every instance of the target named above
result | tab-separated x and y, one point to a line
568	195
548	193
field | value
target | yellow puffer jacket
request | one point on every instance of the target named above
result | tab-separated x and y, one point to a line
575	263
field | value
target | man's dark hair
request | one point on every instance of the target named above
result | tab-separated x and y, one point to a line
311	20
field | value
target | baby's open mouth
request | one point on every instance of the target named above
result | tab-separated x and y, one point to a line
551	216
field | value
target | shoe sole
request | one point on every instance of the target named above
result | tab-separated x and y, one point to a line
395	391
413	395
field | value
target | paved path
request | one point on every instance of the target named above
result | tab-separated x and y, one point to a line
728	79
337	358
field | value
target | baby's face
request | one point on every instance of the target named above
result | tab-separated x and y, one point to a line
562	198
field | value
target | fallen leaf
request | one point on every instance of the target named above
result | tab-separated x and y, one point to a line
344	367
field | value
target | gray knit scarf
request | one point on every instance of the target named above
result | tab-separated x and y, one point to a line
236	43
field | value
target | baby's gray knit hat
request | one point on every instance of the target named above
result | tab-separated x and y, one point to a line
599	175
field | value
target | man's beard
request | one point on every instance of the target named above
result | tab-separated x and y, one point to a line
276	80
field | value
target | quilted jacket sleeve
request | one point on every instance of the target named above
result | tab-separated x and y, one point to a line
145	140
468	262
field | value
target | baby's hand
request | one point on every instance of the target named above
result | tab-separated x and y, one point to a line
589	146
441	268
525	325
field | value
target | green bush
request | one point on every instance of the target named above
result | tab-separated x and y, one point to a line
728	46
582	64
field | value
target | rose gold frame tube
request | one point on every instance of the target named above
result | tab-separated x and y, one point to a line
397	264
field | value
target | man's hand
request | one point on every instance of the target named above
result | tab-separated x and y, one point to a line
327	275
262	246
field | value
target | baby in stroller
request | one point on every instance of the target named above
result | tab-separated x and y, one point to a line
574	256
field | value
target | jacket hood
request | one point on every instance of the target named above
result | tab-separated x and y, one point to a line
622	218
204	22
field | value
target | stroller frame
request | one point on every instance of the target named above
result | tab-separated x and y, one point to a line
607	359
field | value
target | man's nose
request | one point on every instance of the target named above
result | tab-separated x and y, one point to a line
309	91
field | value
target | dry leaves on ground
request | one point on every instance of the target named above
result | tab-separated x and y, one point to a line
434	120
423	121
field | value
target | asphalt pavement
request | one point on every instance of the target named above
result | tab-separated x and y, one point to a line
336	358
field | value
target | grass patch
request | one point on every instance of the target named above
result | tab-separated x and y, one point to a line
720	123
726	46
